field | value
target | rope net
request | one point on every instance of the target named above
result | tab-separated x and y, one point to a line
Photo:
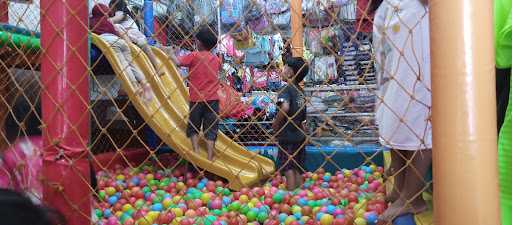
338	135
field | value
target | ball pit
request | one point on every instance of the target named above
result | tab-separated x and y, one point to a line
148	196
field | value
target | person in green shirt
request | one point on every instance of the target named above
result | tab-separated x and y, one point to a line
503	45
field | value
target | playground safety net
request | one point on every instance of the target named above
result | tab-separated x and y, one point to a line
96	119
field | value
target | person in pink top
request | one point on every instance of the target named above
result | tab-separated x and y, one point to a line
203	79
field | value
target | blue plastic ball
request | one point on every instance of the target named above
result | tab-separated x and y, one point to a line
319	216
200	186
107	213
282	217
331	209
226	200
325	185
112	200
372	218
302	201
147	195
327	178
157	207
298	215
135	181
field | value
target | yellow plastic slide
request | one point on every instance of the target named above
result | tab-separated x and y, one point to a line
240	171
171	87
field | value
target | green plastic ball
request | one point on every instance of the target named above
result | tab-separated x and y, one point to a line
262	217
251	216
277	198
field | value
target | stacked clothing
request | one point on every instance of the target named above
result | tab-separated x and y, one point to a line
358	66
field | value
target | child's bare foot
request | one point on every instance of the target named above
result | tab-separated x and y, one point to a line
396	209
418	206
392	197
400	207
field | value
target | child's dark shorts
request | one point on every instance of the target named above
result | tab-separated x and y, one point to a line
205	114
294	160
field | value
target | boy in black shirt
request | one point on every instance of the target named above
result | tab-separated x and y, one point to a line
289	122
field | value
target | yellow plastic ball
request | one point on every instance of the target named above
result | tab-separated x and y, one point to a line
176	199
110	191
359	221
177	211
120	177
254	201
205	198
326	219
167	203
143	221
243	199
180	186
127	207
288	220
152	215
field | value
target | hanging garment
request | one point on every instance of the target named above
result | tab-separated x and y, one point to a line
181	15
244	39
259	54
258	25
325	69
313	42
227	47
231	11
205	11
260	78
279	12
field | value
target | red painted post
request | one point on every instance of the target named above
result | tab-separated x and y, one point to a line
4	11
64	74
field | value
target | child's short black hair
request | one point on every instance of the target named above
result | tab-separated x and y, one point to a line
207	37
20	210
299	66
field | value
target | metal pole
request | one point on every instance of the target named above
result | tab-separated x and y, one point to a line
65	100
297	28
149	19
4	11
464	113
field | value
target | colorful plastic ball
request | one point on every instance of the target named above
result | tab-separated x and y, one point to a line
359	221
157	207
251	216
107	213
331	209
235	206
277	198
262	217
371	217
243	198
226	200
177	211
302	202
216	204
282	217
326	219
112	200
